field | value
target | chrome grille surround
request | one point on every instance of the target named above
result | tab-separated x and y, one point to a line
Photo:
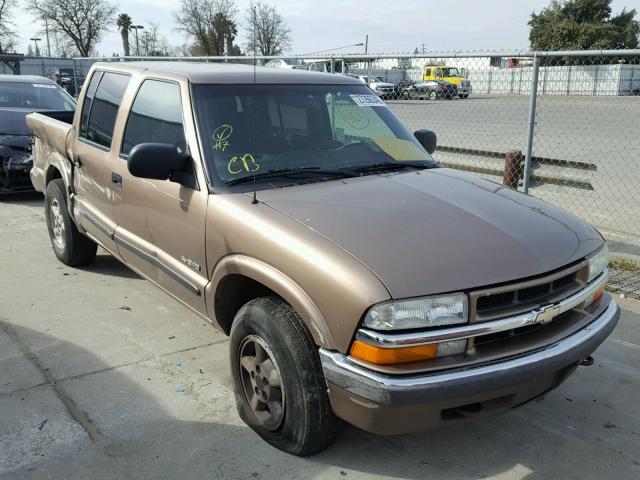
553	307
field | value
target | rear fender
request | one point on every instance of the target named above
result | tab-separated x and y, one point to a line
52	147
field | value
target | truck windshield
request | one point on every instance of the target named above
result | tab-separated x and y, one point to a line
450	72
285	128
35	96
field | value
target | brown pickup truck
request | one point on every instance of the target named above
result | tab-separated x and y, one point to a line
356	277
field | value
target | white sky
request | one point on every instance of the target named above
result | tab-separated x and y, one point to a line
392	25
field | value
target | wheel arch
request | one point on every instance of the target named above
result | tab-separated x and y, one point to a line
238	279
52	173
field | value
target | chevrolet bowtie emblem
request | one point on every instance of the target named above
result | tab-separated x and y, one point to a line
547	313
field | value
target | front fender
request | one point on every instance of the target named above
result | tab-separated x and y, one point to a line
280	283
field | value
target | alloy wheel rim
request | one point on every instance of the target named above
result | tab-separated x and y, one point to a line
57	224
262	382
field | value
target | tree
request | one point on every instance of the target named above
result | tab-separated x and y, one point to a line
154	44
62	45
583	25
268	32
7	34
124	23
210	22
82	21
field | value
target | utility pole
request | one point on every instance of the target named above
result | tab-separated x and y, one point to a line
46	32
35	41
136	28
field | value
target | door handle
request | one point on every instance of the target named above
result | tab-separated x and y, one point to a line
116	180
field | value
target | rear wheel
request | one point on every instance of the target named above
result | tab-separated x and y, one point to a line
70	246
464	95
433	96
277	378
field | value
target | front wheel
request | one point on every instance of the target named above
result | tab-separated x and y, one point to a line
464	95
70	246
277	378
433	96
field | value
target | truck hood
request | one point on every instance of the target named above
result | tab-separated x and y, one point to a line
438	230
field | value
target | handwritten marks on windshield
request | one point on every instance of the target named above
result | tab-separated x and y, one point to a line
242	163
238	163
221	136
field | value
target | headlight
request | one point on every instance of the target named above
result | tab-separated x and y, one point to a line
418	313
598	262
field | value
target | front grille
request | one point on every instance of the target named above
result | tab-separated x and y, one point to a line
502	301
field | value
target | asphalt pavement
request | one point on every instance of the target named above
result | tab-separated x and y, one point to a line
93	361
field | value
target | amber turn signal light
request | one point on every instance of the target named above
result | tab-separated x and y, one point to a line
597	296
388	356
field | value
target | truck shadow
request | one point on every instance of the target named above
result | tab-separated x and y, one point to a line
29	199
127	421
107	264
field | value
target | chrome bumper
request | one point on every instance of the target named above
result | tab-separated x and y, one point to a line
441	387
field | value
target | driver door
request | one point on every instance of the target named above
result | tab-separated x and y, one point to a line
161	223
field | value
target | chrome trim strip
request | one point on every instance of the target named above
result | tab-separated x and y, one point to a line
541	315
158	263
378	387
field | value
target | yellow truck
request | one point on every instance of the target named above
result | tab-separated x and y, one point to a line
454	75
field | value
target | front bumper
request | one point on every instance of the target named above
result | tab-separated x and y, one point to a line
16	162
15	176
389	404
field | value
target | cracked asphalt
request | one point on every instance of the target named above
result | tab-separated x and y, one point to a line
92	362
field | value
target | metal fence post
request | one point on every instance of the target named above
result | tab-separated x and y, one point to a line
75	78
532	122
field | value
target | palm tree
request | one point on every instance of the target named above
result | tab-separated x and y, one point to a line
124	25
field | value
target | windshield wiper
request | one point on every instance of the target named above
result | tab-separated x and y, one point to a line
287	172
389	166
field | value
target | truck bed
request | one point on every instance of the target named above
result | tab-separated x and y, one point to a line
51	132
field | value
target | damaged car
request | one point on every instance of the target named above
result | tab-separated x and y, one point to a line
19	96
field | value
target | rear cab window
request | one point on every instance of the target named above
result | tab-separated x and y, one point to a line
100	109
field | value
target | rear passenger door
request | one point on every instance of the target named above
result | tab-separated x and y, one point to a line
94	155
161	223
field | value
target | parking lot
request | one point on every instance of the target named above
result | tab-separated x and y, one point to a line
601	130
90	360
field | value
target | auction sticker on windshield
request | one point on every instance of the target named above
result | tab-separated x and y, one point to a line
367	100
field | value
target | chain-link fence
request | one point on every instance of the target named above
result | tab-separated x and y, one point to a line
561	126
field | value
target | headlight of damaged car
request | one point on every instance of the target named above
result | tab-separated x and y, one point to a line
420	312
598	262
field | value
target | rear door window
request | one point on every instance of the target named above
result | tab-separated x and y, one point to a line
155	117
86	104
104	108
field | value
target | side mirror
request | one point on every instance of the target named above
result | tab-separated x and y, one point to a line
427	139
157	161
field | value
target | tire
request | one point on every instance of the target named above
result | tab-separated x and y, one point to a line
466	95
70	246
268	336
433	96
